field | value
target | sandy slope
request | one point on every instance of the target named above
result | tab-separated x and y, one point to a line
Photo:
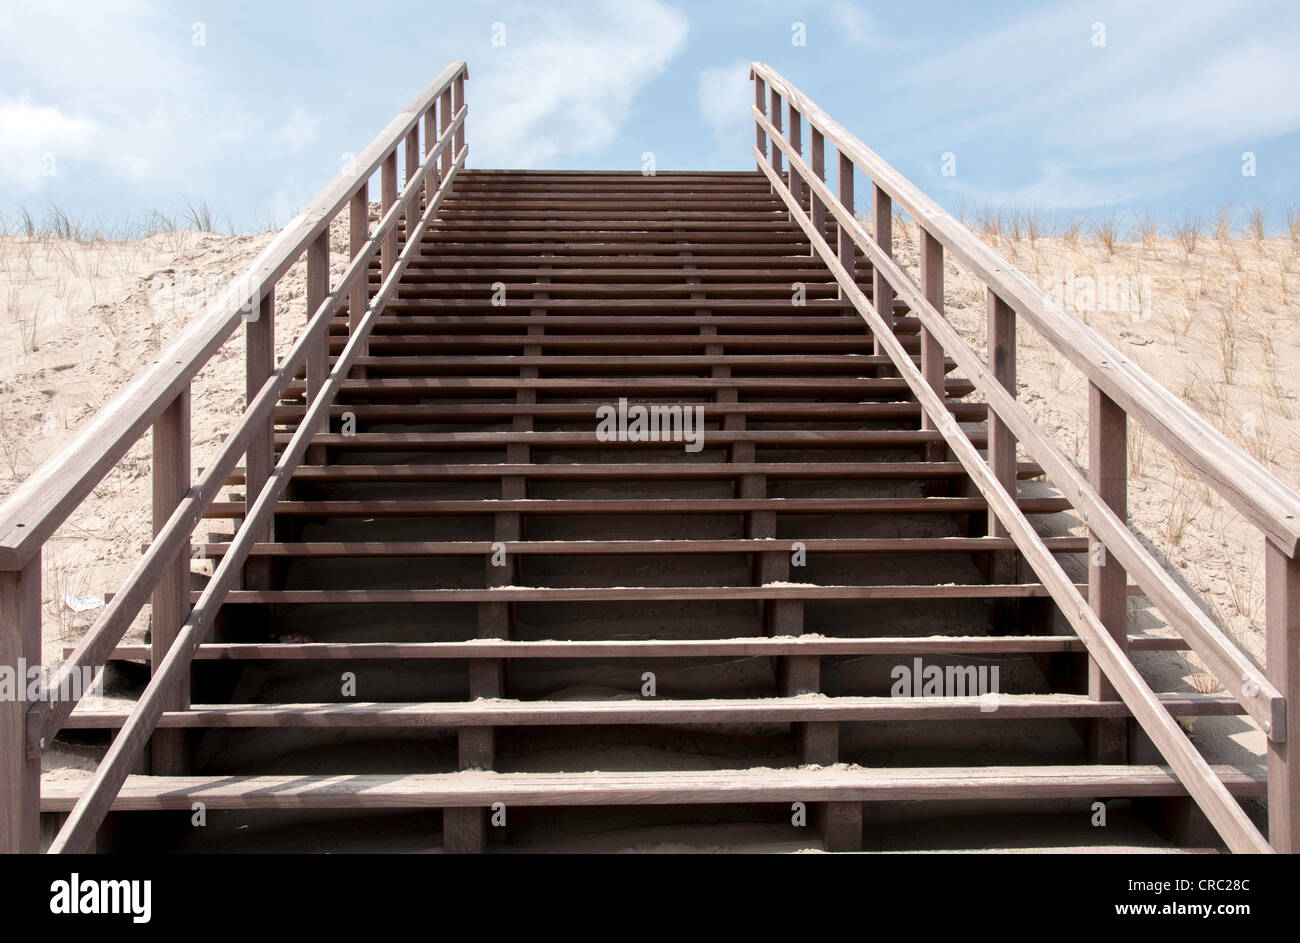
1220	328
79	321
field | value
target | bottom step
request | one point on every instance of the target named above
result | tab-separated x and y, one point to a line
473	788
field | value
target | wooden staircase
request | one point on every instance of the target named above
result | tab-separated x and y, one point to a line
463	590
703	621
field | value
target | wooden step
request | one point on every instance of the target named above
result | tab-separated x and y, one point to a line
632	387
793	646
873	471
523	299
777	710
708	438
535	594
833	506
562	412
620	365
474	788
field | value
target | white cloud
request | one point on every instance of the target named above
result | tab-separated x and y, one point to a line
298	130
129	70
1173	81
35	139
565	82
1173	78
725	96
854	22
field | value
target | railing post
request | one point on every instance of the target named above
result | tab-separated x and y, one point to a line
20	769
444	122
774	116
847	257
931	350
1107	581
412	213
818	149
260	458
318	288
795	136
387	197
457	101
431	179
318	355
882	219
358	233
1282	654
170	604
760	102
1004	566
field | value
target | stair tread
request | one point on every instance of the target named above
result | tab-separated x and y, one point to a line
492	712
473	788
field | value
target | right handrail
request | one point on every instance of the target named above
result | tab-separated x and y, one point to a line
1100	620
1253	490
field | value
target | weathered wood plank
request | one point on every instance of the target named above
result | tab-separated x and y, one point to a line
1229	819
1282	615
469	789
1107	581
790	708
20	768
675	648
840	506
170	603
1245	484
767	591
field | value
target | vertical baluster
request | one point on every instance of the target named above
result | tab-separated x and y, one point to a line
358	233
318	358
1002	453
847	255
760	102
882	219
260	458
457	100
795	136
387	197
430	139
1282	654
931	349
20	768
1107	581
774	115
818	148
411	213
170	605
444	122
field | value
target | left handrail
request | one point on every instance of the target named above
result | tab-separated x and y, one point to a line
88	814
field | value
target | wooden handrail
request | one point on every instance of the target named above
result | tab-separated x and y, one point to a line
113	769
1187	763
107	630
45	500
1240	676
1257	493
1104	636
160	398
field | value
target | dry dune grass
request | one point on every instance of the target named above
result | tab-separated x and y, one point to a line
81	318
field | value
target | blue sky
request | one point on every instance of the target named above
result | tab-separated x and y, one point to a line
137	116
